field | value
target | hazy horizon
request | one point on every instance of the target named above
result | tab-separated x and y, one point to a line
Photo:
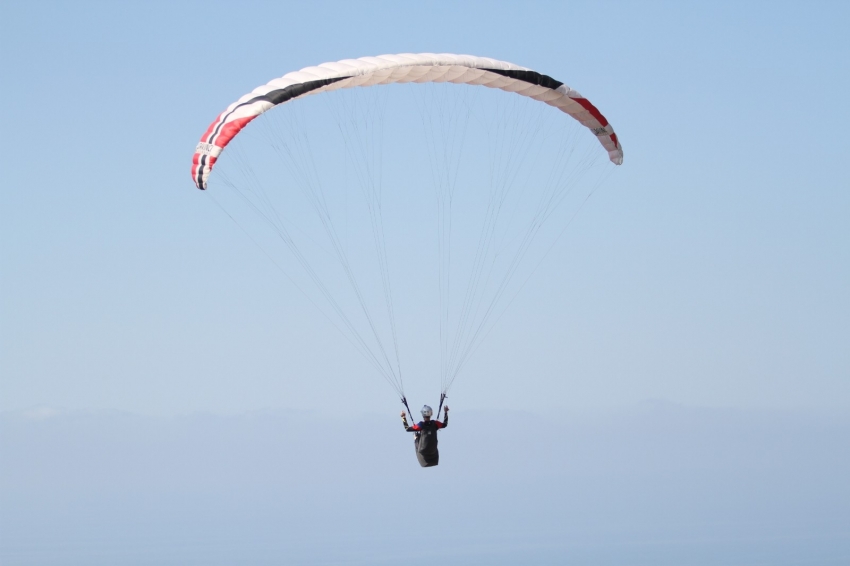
656	484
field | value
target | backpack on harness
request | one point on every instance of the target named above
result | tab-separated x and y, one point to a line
426	445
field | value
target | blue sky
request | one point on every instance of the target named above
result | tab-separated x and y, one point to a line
673	384
712	269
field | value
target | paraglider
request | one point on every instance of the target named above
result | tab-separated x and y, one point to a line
524	168
425	435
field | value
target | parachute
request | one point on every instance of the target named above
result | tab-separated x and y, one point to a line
403	68
339	205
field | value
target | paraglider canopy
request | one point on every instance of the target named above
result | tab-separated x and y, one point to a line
402	68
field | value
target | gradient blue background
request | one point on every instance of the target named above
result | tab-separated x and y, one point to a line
711	274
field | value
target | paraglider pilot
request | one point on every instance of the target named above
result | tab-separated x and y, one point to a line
425	439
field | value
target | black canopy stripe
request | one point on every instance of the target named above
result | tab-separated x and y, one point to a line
202	164
278	96
532	77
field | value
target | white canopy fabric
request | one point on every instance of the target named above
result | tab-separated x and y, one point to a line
402	68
